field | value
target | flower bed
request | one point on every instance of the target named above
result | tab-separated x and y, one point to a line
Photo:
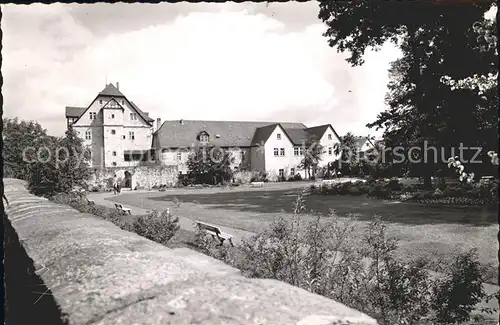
459	194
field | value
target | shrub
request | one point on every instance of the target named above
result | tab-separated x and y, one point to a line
410	188
378	191
183	180
394	185
370	180
294	178
326	258
457	294
157	227
205	244
260	177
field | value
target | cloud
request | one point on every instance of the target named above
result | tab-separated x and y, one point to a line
231	62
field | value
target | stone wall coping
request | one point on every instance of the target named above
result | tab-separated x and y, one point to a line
100	274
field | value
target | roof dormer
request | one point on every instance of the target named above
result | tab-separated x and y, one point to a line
203	137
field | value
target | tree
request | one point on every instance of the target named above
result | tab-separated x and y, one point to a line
73	162
210	165
61	166
313	151
430	34
349	154
21	141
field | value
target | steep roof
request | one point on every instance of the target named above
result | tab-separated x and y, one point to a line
318	131
72	111
297	136
263	133
143	114
174	134
361	141
111	90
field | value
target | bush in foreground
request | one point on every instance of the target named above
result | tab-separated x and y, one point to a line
157	227
325	257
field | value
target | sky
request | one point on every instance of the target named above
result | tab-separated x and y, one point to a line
204	61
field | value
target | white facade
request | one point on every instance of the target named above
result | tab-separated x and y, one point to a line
113	130
279	154
329	141
179	157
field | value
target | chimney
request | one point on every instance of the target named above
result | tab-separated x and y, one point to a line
158	123
118	85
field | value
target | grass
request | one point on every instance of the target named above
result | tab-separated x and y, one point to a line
182	238
431	231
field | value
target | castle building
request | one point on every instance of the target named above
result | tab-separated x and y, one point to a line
119	134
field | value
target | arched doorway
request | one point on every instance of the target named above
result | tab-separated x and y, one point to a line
128	180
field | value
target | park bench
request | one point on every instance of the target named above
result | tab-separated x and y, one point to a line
215	232
122	210
257	184
487	179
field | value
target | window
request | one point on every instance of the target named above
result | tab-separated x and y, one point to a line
242	155
282	151
126	157
123	102
113	132
296	151
114	163
329	137
88	135
179	156
114	153
123	137
301	151
276	152
330	151
133	116
112	115
292	171
278	136
282	172
204	138
100	101
92	115
131	135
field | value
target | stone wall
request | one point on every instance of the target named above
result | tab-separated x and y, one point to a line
143	176
100	274
244	177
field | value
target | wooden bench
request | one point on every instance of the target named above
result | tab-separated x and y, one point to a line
257	184
215	232
122	210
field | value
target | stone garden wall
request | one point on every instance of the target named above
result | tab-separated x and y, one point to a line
141	176
96	273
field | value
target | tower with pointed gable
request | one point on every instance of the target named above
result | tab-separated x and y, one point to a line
118	133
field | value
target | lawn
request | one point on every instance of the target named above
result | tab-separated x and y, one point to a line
432	231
